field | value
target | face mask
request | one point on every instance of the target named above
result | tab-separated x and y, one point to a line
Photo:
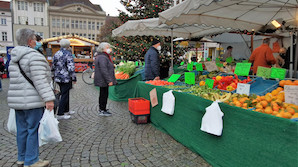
38	45
109	51
158	48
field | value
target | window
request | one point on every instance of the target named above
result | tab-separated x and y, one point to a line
4	36
72	23
38	21
53	22
53	34
40	34
85	35
89	36
38	7
77	24
89	25
58	23
23	20
63	33
84	25
22	5
63	23
93	25
80	34
98	26
67	23
93	36
3	21
58	34
81	24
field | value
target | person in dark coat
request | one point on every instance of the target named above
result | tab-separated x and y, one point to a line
152	61
104	75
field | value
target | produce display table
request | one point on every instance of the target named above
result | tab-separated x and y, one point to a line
249	138
124	89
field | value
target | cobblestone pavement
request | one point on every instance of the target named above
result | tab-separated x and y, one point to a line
91	140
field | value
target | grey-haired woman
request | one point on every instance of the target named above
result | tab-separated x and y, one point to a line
104	75
29	99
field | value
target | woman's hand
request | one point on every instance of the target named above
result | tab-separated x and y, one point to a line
111	84
50	105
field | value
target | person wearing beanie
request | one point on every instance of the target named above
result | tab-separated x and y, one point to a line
152	61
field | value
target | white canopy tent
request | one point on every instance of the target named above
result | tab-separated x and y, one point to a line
251	15
152	27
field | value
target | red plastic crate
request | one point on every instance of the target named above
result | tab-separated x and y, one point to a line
139	106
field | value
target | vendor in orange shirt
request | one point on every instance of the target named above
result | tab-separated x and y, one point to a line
262	56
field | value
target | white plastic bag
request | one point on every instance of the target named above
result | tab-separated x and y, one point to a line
11	122
212	120
168	102
48	131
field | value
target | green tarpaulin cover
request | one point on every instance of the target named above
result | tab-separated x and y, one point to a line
124	89
249	138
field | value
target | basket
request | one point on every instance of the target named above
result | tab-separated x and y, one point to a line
261	87
139	106
140	119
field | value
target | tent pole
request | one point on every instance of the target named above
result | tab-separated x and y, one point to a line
296	57
171	70
251	44
291	57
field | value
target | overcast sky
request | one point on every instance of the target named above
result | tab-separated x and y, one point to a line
109	6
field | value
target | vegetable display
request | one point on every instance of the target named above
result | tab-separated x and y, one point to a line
125	70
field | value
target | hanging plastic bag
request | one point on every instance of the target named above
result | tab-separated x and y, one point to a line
48	131
212	120
168	103
11	122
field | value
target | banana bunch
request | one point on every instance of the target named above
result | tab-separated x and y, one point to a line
216	96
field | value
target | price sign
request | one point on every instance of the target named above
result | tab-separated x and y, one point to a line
264	72
137	63
245	61
211	66
141	63
279	73
243	88
291	92
182	63
189	78
153	97
209	82
229	59
199	67
242	69
195	63
189	67
174	77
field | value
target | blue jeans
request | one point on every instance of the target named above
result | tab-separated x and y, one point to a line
27	134
0	84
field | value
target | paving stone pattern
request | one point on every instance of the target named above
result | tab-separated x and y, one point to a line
93	141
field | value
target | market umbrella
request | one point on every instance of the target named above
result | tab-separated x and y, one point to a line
251	15
152	27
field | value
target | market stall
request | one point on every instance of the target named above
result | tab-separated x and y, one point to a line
249	138
82	49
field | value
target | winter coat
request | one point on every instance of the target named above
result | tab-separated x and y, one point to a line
21	94
262	56
104	71
151	64
63	67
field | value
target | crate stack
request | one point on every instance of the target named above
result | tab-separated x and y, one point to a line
139	110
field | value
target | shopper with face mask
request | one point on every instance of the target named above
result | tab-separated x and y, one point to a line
104	75
38	45
152	61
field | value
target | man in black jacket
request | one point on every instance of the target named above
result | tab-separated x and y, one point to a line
152	61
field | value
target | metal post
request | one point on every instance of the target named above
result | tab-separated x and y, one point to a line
296	57
291	57
171	70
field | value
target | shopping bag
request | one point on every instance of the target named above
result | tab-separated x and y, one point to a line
212	120
11	122
168	103
48	131
57	94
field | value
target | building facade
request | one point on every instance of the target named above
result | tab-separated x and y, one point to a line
77	17
5	26
31	14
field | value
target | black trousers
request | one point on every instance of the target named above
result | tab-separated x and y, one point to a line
64	99
103	98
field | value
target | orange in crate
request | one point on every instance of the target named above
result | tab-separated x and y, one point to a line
139	106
